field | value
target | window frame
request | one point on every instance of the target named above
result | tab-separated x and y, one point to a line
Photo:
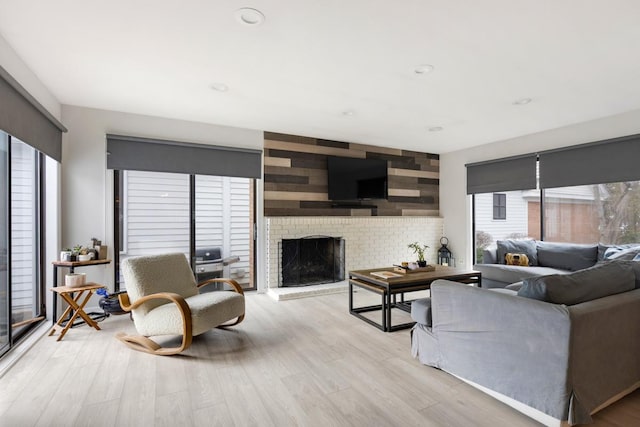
120	208
499	206
39	242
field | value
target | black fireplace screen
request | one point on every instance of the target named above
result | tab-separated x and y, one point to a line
312	260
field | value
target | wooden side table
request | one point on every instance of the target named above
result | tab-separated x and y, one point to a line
71	265
76	305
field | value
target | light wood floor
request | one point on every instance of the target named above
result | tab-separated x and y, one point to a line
301	362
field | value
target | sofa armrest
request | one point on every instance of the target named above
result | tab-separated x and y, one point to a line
605	348
516	346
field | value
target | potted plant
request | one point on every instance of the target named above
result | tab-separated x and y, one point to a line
83	254
419	250
65	254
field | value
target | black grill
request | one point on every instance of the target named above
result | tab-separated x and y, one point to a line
210	265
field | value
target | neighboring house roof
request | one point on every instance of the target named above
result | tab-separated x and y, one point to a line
566	194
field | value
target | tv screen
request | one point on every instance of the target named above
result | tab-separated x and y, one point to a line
357	179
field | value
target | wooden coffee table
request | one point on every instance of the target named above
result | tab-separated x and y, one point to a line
390	288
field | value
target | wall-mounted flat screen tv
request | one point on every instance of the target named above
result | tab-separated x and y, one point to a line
356	179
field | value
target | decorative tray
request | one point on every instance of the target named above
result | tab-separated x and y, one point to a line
426	269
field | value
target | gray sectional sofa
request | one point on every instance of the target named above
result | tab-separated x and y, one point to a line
561	348
545	258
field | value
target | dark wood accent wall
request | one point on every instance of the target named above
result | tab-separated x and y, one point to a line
295	179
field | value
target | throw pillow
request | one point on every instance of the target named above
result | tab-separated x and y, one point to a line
585	285
622	254
517	259
601	250
567	256
527	247
605	251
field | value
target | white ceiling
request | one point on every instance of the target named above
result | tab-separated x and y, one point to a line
312	60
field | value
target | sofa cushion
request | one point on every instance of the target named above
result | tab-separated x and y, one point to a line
634	265
508	274
504	291
527	247
567	256
421	311
592	283
207	309
490	255
514	286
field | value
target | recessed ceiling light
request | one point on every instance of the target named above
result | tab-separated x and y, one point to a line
435	128
249	16
220	87
349	113
423	69
522	101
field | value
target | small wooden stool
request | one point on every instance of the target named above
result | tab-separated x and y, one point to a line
76	309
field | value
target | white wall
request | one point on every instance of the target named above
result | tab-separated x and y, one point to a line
455	205
87	185
11	62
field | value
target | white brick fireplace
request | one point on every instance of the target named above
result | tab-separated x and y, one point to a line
369	241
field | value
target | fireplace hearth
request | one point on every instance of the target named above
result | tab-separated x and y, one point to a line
311	260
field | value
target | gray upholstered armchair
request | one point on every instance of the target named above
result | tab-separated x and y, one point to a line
164	299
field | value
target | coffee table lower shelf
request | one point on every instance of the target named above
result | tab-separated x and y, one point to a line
392	292
387	303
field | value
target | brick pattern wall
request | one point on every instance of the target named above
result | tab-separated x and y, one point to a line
369	242
295	178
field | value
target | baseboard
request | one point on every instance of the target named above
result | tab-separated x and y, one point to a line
12	357
288	293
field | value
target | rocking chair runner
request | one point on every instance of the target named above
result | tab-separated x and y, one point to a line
163	297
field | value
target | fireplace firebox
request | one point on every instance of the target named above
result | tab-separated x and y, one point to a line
311	260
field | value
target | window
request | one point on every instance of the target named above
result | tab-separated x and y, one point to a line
21	289
4	242
28	133
523	220
499	206
606	213
589	193
204	217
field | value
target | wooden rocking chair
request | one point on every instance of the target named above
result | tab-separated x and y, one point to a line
163	297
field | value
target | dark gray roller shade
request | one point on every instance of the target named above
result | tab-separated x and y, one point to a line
509	174
143	154
612	160
22	116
